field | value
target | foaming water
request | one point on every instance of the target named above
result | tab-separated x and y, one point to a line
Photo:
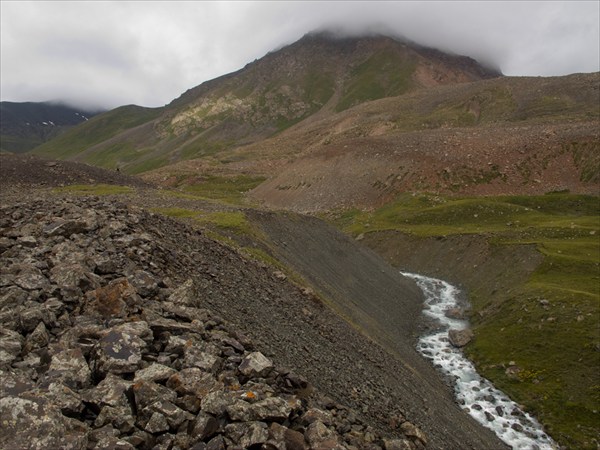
488	405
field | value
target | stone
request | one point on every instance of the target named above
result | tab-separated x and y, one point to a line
314	414
71	368
255	364
120	417
74	274
31	278
204	426
194	357
216	403
317	434
144	283
283	438
111	300
185	295
412	431
193	381
30	317
38	338
154	372
147	392
175	415
270	409
65	228
157	424
120	350
34	423
460	338
216	443
68	401
247	434
11	344
397	444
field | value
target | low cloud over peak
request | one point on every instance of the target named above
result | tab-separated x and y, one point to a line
108	54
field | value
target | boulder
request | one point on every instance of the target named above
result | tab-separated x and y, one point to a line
460	338
255	364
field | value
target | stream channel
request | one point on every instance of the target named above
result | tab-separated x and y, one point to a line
488	405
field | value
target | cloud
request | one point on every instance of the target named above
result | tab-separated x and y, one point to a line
113	53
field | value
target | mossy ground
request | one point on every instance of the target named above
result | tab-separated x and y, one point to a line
226	189
550	324
93	189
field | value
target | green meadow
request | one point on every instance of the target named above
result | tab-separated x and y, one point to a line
549	325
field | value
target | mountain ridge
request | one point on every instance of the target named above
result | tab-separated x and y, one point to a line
25	125
272	94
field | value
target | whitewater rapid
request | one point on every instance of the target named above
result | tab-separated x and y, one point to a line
488	405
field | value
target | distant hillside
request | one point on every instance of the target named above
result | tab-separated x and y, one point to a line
313	78
24	126
507	135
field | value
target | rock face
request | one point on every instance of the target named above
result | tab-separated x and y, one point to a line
104	344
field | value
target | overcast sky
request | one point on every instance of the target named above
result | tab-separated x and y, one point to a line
108	54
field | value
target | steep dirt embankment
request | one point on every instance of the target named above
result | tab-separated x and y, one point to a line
384	306
485	270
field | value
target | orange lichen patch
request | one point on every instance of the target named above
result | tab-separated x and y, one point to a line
249	395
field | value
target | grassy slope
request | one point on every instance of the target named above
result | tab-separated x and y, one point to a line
550	325
96	130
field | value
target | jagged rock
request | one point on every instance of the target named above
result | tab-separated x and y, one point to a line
194	357
193	381
204	426
216	403
120	417
70	367
144	282
65	228
34	314
111	391
282	438
31	278
460	338
154	372
157	423
247	434
67	400
270	409
397	444
120	350
255	364
111	300
185	295
318	435
314	414
174	415
11	344
216	443
76	275
34	423
38	338
147	392
413	432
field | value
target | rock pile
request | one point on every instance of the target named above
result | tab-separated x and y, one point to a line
105	344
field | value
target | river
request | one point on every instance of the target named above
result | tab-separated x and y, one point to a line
488	405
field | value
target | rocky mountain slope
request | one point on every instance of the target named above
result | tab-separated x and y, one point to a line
317	76
24	126
125	328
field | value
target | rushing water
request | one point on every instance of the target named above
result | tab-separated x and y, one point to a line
489	406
